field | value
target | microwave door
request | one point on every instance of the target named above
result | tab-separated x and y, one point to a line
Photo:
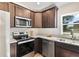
17	22
21	23
26	23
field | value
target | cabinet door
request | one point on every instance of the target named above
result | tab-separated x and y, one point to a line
61	52
12	14
38	45
26	13
49	18
45	48
22	12
65	50
45	20
13	49
4	6
19	11
38	20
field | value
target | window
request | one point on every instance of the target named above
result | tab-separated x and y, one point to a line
70	22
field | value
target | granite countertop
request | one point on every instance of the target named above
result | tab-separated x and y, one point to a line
59	39
13	41
54	38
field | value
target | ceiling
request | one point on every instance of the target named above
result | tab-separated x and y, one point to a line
40	6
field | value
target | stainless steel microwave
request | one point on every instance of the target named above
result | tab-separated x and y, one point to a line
22	22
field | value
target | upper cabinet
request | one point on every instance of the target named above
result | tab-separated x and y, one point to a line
12	14
32	16
38	20
27	13
22	12
45	19
4	6
49	18
16	10
19	11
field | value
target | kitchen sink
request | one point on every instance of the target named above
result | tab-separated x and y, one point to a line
66	36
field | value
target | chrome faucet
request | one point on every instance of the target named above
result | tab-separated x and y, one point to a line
72	33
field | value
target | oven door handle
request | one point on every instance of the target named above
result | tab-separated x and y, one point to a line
25	41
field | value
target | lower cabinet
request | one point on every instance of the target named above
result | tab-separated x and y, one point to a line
47	48
44	47
65	50
38	45
13	49
61	52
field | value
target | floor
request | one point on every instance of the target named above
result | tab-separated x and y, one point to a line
38	55
32	55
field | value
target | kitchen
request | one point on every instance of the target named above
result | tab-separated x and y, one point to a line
38	32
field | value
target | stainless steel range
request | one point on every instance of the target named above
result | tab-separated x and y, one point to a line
25	44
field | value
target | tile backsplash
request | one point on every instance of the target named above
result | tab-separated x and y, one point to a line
48	31
36	31
30	31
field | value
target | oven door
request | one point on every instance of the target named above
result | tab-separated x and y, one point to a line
25	48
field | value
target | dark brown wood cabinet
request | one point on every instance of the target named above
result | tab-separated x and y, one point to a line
16	10
45	19
38	20
38	45
22	12
26	13
61	52
4	6
12	14
45	47
32	16
66	50
13	49
45	23
19	11
49	18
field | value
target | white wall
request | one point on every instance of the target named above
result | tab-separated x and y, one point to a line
68	8
48	31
